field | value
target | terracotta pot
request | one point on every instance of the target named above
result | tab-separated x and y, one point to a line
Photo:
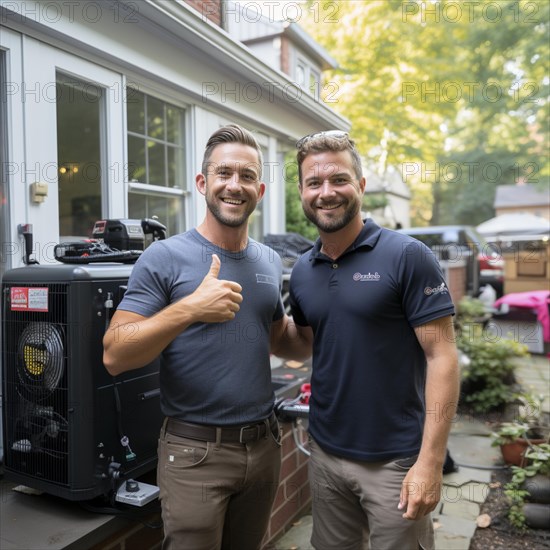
537	516
513	453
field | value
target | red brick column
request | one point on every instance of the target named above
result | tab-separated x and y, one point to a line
293	496
456	275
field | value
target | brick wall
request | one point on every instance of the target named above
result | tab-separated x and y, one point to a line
285	56
456	279
293	496
136	536
210	9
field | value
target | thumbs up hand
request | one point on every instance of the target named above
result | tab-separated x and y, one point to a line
215	266
216	300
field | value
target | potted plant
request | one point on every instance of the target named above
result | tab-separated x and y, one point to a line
515	438
529	490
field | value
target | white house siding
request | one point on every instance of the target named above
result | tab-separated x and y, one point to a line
167	50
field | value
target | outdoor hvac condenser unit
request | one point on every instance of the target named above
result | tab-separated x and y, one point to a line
69	428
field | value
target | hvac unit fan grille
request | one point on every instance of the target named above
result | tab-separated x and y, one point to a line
36	386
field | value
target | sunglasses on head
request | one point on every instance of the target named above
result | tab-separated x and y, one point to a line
338	134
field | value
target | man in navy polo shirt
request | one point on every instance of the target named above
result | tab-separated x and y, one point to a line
385	372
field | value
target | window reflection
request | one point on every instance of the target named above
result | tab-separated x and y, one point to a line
156	160
167	210
135	111
78	155
155	140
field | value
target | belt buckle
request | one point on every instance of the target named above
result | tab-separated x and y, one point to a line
241	432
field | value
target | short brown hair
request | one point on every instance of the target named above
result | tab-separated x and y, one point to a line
231	133
324	141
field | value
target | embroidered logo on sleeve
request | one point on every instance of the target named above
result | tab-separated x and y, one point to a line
440	289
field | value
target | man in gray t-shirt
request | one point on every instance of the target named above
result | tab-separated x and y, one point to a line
208	303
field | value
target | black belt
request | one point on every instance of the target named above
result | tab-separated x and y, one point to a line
229	434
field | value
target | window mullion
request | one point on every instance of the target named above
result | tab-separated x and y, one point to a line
165	144
146	132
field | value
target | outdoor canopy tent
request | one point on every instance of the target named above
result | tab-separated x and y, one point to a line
520	223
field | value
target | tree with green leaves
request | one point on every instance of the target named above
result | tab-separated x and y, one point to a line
456	94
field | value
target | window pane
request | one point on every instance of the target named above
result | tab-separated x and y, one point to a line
136	111
255	223
155	118
155	152
174	123
175	167
157	160
314	84
301	75
78	156
136	159
168	210
137	206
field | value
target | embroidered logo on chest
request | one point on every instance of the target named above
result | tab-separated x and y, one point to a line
266	279
368	277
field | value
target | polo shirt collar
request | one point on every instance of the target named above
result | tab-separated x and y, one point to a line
367	238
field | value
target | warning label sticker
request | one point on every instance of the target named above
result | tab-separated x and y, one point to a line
29	298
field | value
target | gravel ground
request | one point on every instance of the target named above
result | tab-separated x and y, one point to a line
500	535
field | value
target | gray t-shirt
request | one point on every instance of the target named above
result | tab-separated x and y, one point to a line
212	373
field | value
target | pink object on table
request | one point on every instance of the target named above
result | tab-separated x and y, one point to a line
535	299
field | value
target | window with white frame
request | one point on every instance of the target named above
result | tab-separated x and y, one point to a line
301	73
314	83
156	160
308	77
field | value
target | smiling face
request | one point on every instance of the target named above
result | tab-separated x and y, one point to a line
331	193
231	185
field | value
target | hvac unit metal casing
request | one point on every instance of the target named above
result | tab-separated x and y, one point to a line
63	414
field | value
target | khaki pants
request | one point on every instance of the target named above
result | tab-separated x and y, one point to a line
355	505
216	496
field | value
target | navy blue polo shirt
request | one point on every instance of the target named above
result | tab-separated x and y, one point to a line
369	369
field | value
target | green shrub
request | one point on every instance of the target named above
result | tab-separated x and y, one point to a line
488	377
470	308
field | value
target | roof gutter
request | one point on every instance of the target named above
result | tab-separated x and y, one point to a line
182	20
